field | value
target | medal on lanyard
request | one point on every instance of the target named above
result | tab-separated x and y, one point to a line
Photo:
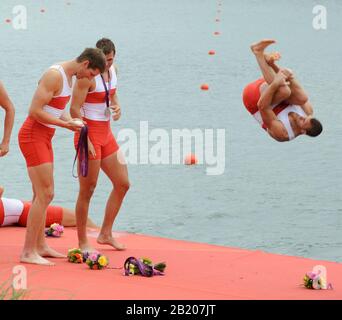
107	90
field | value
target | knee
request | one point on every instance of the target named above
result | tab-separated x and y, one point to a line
88	191
302	100
285	92
46	196
122	187
49	195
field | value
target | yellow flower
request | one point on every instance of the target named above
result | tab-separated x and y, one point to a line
323	283
103	261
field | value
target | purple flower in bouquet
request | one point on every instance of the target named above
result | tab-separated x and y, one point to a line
59	229
93	256
85	255
312	275
55	230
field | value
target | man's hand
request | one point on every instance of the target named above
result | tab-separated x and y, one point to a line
74	124
117	111
272	57
288	73
280	79
4	148
91	149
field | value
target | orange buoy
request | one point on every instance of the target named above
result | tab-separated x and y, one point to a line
205	86
190	159
211	52
8	20
216	33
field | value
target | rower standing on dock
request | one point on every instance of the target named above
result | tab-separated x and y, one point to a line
46	112
93	100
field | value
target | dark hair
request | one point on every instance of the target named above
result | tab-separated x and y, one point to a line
316	128
96	59
106	45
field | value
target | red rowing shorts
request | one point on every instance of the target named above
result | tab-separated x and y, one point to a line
35	142
251	95
101	137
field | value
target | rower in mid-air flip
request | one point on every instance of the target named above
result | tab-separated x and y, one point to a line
278	101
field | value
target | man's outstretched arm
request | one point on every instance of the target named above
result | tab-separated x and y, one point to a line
7	105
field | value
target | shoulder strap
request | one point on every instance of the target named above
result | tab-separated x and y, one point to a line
284	118
107	90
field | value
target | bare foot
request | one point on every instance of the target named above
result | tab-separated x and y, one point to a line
86	247
272	57
110	241
35	258
1	191
259	48
48	252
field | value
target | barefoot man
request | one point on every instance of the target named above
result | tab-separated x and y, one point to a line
278	101
93	100
47	111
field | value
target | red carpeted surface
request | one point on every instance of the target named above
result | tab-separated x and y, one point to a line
194	271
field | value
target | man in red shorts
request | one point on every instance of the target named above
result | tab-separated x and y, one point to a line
278	101
47	111
94	100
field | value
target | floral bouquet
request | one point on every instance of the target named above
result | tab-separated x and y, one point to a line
95	260
55	230
75	256
316	280
143	266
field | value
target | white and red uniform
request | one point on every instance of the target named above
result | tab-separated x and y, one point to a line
251	96
95	112
15	212
35	137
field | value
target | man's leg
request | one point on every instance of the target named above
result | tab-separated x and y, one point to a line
35	248
298	95
87	188
117	172
69	219
258	49
43	249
